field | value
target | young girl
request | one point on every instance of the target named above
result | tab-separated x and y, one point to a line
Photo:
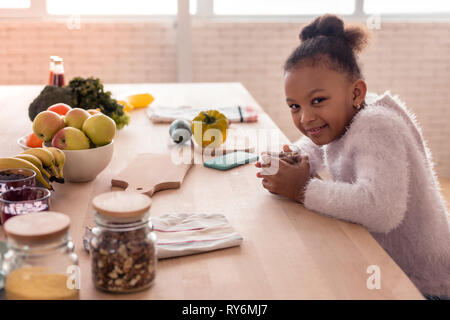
381	168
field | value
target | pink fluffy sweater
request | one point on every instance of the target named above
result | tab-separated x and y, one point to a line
383	179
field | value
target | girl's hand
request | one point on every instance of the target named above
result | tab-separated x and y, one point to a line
284	178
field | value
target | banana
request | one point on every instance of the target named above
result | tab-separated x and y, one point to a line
36	161
60	159
16	163
47	158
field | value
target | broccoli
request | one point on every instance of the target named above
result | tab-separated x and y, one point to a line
81	93
49	96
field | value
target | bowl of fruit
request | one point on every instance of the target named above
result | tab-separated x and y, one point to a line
86	139
86	164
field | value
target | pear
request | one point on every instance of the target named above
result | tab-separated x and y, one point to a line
100	128
76	117
46	124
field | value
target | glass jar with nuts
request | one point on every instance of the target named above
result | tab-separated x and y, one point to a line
123	246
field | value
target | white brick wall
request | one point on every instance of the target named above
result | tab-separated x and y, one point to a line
114	52
410	59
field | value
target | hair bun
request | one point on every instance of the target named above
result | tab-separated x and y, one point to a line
333	27
326	25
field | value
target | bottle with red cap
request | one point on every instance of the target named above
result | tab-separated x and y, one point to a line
57	74
50	70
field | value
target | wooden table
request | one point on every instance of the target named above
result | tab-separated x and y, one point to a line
288	252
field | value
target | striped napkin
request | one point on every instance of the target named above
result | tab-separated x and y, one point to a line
185	234
158	114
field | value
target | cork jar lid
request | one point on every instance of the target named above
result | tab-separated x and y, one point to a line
122	204
37	226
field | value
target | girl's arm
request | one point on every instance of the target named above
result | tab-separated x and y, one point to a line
377	199
314	152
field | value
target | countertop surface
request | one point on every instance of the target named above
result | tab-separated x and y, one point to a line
288	252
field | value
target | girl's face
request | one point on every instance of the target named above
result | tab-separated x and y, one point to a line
321	100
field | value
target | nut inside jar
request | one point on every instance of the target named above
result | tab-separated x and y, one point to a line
123	261
123	245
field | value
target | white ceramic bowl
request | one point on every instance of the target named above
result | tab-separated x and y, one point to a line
84	165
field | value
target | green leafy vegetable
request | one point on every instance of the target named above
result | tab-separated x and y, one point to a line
89	94
81	93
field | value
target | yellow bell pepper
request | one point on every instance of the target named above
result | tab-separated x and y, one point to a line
209	128
141	100
126	106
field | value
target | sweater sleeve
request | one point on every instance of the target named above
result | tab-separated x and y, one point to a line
314	152
377	197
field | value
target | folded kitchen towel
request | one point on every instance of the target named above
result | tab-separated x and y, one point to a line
185	234
163	114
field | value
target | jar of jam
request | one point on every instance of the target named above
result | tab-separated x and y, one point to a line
40	263
16	178
123	244
23	200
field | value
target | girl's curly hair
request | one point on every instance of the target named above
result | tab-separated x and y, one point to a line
327	41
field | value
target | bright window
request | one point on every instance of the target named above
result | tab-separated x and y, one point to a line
283	7
406	6
15	4
115	7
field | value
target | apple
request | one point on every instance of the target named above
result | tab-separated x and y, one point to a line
100	128
60	108
46	124
70	138
76	117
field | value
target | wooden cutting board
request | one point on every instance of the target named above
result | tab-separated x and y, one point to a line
149	173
